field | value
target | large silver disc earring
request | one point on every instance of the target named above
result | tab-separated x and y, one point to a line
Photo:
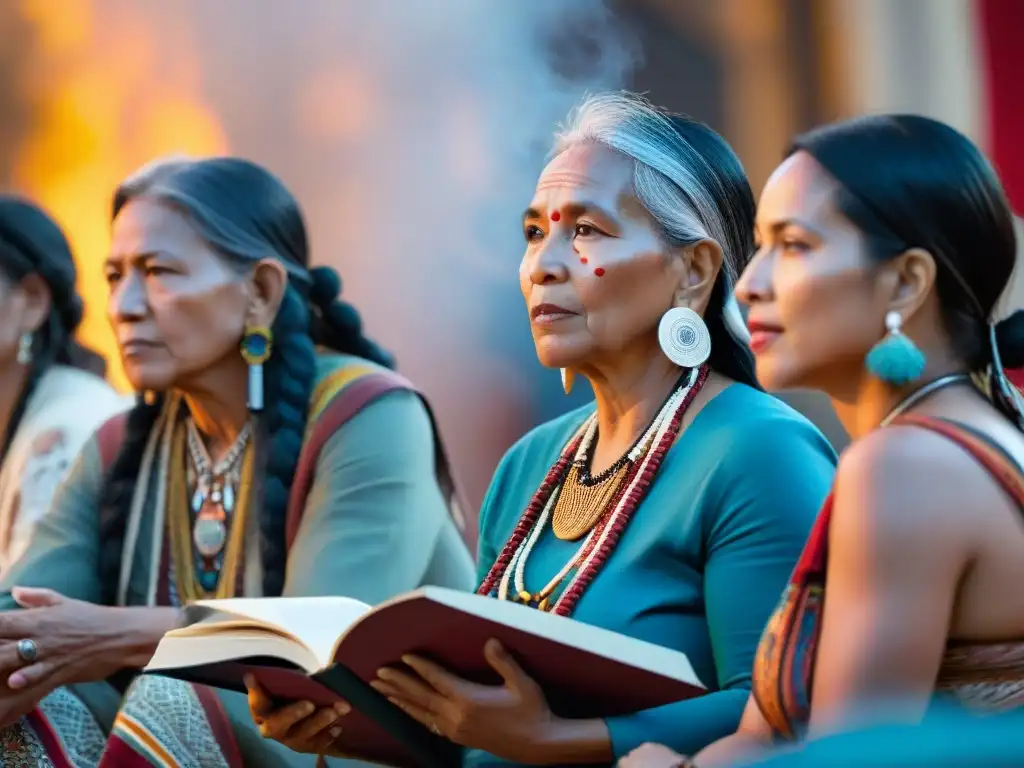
684	337
25	349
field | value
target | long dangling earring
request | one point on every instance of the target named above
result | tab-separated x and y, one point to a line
255	348
568	377
895	359
684	337
25	349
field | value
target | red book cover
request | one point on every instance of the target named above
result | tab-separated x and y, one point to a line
584	671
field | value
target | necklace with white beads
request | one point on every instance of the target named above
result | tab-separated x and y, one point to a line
592	543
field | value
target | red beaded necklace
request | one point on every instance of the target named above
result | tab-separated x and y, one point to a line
609	527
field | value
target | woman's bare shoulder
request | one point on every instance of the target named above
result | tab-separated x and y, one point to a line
911	489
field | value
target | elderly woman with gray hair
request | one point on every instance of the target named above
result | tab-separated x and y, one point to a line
673	508
274	453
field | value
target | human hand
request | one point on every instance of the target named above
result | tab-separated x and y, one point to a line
300	726
58	640
654	756
510	720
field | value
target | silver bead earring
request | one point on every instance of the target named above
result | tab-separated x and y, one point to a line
25	349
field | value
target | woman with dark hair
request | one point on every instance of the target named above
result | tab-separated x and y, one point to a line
50	401
885	244
674	508
272	452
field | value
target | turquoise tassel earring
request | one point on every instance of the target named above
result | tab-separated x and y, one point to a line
895	359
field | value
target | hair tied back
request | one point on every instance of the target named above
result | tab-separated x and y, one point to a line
1010	340
325	286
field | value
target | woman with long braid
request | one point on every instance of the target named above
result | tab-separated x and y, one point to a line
51	401
253	464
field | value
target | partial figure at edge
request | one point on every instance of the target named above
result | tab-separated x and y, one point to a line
885	245
52	394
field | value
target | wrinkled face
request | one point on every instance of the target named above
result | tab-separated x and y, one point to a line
817	305
177	307
596	276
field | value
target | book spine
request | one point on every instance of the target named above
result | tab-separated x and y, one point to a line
431	751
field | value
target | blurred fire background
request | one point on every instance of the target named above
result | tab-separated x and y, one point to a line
412	132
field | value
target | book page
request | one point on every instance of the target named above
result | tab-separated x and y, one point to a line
315	623
195	650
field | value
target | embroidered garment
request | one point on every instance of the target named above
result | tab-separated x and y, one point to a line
368	519
987	677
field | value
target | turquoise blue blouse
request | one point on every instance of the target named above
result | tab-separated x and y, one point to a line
704	559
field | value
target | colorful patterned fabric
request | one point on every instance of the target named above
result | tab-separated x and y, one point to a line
163	722
170	724
986	677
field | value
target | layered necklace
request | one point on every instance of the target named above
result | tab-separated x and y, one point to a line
213	540
595	508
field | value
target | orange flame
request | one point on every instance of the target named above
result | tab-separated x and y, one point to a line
108	103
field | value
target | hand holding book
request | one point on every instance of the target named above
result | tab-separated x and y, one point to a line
511	720
447	683
299	725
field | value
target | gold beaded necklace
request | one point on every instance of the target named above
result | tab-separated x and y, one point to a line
581	504
583	498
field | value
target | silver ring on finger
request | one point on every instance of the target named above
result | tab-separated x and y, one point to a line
28	651
434	729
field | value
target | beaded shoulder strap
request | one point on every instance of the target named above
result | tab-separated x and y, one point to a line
1003	469
336	399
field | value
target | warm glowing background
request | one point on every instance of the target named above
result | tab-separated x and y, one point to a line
107	103
412	133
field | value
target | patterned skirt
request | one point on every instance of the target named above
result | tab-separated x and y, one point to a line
162	722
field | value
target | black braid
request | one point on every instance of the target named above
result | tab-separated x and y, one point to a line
289	378
288	381
336	323
118	489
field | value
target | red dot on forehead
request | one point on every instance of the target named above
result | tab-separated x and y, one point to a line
555	215
583	259
599	271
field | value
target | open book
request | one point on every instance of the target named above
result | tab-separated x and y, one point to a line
325	648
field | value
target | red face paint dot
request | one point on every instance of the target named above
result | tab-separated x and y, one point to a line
555	215
599	271
583	260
